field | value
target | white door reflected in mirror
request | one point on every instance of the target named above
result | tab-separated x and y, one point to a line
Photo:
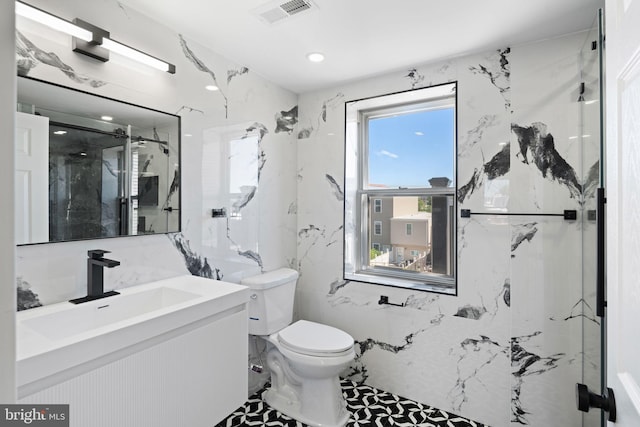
32	178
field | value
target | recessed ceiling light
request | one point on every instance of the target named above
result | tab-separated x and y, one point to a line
60	132
315	57
211	87
107	118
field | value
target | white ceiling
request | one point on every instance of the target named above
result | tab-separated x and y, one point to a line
362	38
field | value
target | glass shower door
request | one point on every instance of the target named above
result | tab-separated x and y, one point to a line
591	139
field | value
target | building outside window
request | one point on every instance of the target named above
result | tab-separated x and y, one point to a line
400	189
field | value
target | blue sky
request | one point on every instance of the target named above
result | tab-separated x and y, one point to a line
410	149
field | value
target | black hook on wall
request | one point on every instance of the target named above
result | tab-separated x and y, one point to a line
385	300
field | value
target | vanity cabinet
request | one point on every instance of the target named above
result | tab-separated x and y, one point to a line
181	365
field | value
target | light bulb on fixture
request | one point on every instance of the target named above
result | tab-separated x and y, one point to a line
137	55
315	57
52	21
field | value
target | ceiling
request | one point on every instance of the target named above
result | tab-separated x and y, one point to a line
361	38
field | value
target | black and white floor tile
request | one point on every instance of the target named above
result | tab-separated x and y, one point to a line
368	406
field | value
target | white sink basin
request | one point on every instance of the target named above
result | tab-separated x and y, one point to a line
104	312
56	340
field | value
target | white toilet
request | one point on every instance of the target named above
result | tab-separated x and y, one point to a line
305	358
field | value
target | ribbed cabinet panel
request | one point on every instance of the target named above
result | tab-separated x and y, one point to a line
195	379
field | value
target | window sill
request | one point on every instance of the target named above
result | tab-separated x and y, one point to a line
446	286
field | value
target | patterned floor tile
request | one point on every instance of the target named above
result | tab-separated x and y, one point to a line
368	406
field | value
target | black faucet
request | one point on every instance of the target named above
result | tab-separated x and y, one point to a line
95	276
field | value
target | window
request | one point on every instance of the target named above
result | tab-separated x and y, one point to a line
377	228
376	246
400	149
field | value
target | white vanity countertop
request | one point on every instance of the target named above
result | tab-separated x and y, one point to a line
59	341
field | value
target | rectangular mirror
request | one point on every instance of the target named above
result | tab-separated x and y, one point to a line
90	167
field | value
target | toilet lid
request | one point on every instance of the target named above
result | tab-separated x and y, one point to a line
315	339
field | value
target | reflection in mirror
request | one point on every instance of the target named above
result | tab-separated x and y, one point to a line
89	167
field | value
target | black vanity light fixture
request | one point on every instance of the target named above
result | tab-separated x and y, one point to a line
91	40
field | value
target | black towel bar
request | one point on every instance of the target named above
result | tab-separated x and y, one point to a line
567	214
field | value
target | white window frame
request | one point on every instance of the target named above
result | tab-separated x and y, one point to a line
377	205
376	225
358	199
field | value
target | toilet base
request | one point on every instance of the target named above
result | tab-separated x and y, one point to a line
305	387
291	408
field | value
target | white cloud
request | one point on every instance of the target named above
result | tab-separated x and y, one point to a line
387	153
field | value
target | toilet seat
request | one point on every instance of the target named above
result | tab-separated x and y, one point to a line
315	339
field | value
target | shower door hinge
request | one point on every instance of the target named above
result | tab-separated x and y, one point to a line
586	400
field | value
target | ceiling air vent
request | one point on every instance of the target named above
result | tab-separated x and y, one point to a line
277	11
295	6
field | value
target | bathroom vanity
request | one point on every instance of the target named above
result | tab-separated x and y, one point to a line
168	353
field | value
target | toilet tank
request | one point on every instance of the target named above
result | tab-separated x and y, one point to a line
271	301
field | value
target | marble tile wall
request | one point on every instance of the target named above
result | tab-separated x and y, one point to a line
508	349
258	115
